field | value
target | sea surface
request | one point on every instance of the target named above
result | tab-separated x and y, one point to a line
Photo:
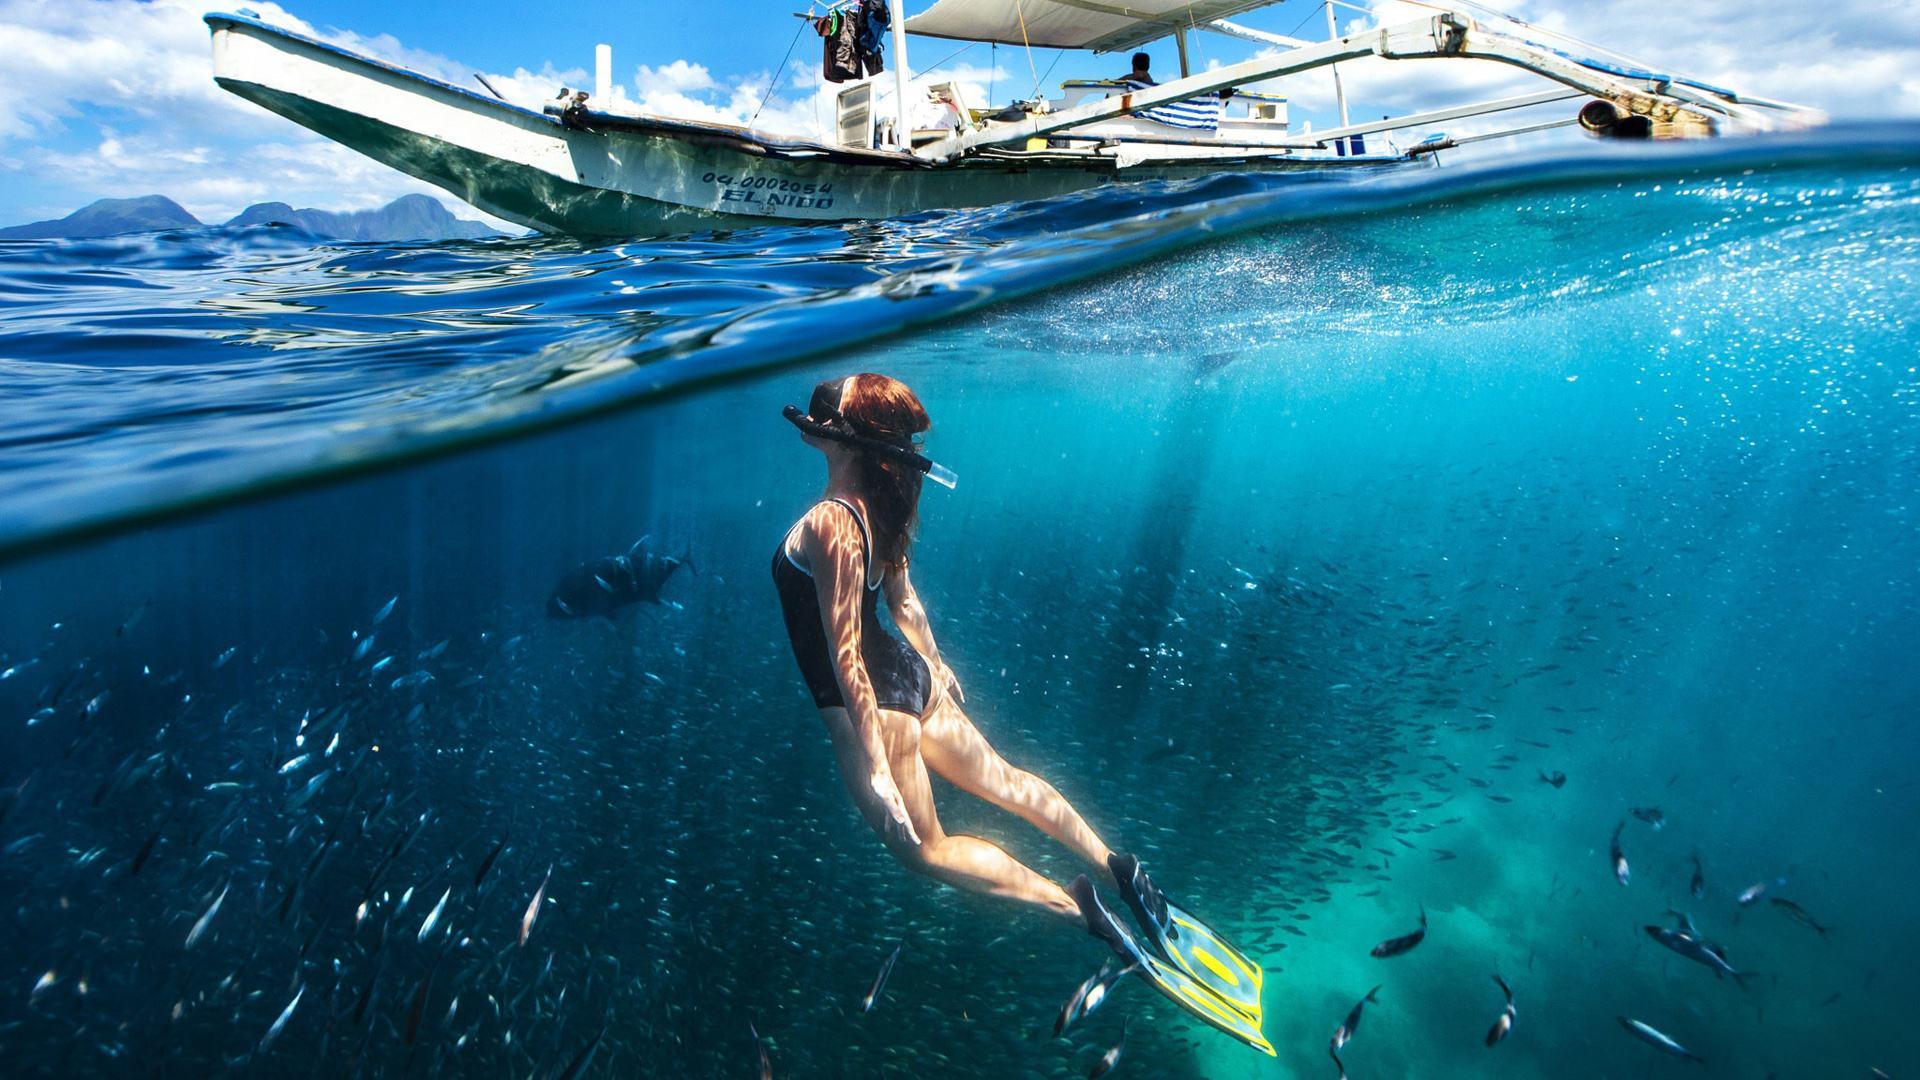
1348	549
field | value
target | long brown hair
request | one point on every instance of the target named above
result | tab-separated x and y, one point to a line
885	408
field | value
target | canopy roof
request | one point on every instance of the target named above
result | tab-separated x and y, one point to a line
1100	25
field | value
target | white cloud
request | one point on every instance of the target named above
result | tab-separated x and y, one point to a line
678	77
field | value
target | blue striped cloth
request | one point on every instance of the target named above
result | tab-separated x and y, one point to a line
1195	114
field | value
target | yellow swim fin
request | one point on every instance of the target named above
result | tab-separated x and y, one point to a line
1179	987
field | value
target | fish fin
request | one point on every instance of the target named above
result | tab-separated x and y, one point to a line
1371	994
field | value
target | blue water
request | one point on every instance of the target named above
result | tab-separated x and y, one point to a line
1301	527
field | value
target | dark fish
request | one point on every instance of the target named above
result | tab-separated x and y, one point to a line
1658	1040
1165	750
419	1007
760	1048
133	620
486	864
1111	1059
608	584
1405	942
880	980
584	1058
1697	949
1352	1024
1619	857
1556	778
1090	996
1651	815
1503	1026
1798	914
146	851
367	994
1698	886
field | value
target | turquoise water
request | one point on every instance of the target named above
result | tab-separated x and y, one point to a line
1300	529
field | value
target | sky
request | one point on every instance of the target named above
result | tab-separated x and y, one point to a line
114	98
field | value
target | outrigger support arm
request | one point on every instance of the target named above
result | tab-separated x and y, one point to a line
1449	34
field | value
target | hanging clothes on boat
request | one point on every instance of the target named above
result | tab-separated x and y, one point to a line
840	31
875	20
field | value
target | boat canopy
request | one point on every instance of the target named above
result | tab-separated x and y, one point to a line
1072	24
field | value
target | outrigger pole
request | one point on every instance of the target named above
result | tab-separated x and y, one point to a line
902	134
1682	107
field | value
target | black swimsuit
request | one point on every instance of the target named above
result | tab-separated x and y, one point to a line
899	675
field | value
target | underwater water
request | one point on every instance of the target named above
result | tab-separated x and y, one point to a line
1305	535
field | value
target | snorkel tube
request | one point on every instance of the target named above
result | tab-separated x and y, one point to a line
841	431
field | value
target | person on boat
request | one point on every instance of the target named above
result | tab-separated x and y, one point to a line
893	708
1141	75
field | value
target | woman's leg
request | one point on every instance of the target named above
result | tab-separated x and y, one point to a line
955	749
965	862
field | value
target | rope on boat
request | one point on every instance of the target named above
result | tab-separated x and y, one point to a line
775	81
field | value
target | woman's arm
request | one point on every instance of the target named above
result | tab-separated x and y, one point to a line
833	547
910	615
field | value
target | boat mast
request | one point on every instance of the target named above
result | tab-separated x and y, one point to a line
902	134
1339	92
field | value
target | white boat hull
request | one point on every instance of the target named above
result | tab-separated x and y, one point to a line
528	168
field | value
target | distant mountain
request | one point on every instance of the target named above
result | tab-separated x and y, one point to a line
107	217
410	217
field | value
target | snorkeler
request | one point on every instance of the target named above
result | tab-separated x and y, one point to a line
893	707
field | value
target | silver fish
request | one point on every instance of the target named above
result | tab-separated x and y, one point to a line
1659	1040
200	925
280	1024
533	907
433	917
1619	857
385	610
880	980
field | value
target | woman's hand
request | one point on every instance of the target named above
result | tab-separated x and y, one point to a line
899	824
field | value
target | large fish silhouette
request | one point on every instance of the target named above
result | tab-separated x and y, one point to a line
608	584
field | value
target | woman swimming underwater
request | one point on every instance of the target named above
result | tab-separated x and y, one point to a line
893	707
